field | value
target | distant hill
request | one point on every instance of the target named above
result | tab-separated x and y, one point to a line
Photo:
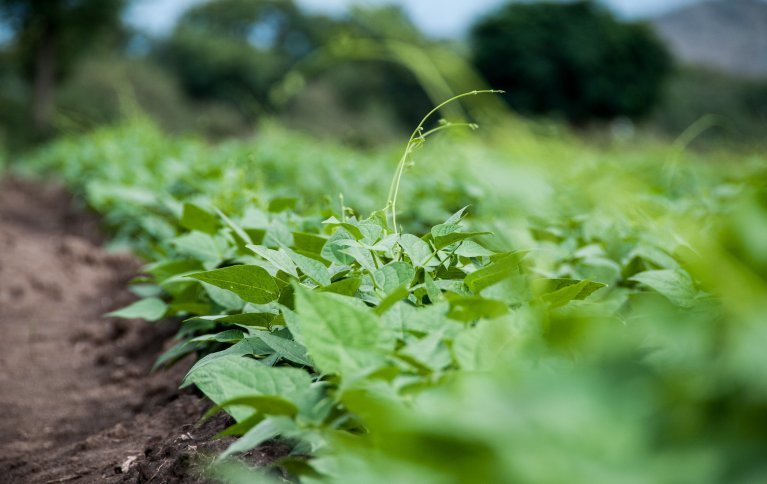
729	35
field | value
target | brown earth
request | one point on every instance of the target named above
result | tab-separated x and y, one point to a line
77	400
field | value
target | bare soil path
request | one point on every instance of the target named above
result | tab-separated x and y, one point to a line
77	401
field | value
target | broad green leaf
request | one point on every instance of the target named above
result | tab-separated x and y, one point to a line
469	248
416	249
260	320
264	430
371	231
195	218
391	299
341	334
280	204
360	255
471	308
177	352
345	287
224	298
479	347
278	258
145	290
675	284
457	216
248	346
264	404
349	227
394	275
278	235
244	238
558	292
501	267
228	336
333	250
313	269
150	309
446	234
308	242
251	283
236	376
288	349
429	351
211	250
167	269
434	292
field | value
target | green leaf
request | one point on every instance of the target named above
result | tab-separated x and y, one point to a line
333	250
265	429
416	249
244	238
177	352
310	243
391	299
234	376
202	247
457	216
429	351
434	292
345	287
265	404
352	229
394	275
280	204
286	348
150	309
341	334
361	255
446	234
278	258
260	320
469	248
167	269
674	284
502	266
471	308
251	283
195	218
558	292
313	269
224	298
229	336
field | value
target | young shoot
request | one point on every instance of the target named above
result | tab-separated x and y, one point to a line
416	140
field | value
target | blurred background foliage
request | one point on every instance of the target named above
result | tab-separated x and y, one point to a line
363	77
574	60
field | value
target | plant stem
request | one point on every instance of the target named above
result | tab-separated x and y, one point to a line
417	137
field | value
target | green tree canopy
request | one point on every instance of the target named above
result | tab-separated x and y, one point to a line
49	36
570	59
234	50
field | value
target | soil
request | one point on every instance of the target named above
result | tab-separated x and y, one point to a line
78	402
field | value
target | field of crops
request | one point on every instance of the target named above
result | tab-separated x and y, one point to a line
511	304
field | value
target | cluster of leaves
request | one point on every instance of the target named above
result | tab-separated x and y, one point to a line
611	334
139	178
324	310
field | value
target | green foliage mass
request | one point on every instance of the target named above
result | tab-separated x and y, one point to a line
609	329
234	50
571	59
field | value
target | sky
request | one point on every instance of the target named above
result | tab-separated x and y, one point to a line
438	18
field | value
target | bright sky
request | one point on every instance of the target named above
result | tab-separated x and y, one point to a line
440	18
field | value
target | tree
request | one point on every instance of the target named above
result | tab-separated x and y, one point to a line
235	50
570	59
49	36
